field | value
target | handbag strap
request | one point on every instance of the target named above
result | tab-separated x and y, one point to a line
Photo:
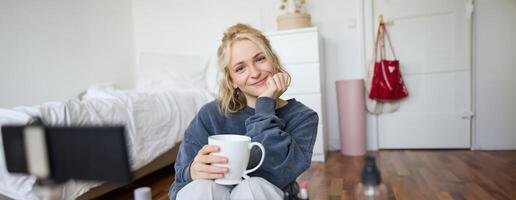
381	46
383	27
377	44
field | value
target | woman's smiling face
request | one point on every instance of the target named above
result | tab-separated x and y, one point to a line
249	68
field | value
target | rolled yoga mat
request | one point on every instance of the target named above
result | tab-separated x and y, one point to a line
352	116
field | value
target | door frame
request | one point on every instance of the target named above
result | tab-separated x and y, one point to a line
365	26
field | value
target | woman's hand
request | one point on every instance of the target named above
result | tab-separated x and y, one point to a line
277	84
201	168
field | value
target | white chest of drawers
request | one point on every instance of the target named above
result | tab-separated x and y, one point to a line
299	51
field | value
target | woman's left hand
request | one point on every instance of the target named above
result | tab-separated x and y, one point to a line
277	84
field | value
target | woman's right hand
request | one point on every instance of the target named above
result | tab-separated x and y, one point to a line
277	84
201	168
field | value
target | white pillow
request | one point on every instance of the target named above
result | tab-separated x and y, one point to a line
157	72
213	75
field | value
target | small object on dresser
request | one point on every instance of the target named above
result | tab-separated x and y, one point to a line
293	21
294	15
142	193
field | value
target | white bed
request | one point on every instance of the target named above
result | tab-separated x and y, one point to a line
156	115
155	122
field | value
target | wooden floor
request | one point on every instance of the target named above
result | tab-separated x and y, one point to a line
159	182
419	174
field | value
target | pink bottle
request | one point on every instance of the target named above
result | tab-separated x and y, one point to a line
303	190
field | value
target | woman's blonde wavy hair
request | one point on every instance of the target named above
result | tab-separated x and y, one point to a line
231	99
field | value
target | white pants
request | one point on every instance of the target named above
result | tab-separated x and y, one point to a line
254	188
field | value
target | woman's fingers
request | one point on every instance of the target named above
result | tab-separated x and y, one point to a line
271	83
203	175
207	149
211	159
280	78
288	80
200	170
213	169
284	81
277	84
276	78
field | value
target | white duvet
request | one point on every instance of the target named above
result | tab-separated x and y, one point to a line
155	122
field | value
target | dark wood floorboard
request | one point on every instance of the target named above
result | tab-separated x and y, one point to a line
408	174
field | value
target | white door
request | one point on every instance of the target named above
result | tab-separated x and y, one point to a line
432	40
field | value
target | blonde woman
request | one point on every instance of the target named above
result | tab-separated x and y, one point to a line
248	104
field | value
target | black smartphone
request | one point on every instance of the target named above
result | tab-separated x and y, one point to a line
81	153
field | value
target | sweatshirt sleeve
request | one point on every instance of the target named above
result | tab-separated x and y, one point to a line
191	144
287	154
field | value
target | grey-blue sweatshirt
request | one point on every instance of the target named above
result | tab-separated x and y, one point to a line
288	135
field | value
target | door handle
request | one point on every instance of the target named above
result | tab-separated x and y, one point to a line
467	115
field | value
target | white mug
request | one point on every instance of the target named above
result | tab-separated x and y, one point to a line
236	148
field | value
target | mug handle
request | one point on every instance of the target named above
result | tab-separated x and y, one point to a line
261	160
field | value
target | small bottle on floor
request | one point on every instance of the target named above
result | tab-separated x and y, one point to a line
142	193
371	187
303	190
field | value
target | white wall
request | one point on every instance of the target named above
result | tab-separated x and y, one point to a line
53	50
188	27
196	27
495	63
337	23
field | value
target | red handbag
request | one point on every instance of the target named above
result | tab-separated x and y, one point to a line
387	83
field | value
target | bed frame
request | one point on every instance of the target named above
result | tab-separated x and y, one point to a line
161	161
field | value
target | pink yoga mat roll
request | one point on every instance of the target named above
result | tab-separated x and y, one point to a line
352	116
